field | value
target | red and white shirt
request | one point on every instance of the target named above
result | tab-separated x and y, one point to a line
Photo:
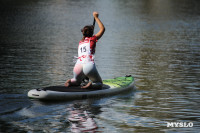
86	49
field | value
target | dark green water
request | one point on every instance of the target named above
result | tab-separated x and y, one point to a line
156	41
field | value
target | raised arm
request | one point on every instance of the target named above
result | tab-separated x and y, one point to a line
100	24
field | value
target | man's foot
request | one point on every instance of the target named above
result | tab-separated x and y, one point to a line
88	86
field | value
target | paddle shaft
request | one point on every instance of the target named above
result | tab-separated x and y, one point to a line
94	22
93	29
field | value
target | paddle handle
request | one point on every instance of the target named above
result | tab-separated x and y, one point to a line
94	22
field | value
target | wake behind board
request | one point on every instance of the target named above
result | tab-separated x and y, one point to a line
110	87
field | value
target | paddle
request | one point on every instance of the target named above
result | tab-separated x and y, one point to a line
86	78
94	22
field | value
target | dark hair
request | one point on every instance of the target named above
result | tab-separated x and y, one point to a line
88	31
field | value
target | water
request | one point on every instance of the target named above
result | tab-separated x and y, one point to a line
156	41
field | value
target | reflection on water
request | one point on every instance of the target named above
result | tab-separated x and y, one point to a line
81	120
156	41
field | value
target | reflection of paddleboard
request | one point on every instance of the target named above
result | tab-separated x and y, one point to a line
110	87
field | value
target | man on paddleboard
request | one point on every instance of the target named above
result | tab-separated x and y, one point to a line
85	65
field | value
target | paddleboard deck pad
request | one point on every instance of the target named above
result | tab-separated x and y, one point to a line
110	87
